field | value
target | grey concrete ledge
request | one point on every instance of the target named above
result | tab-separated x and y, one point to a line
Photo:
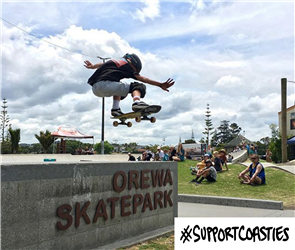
140	238
230	201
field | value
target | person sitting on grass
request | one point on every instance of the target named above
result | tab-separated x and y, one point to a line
256	172
180	153
217	162
222	156
209	173
200	166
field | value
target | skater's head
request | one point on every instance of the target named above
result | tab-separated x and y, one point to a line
134	61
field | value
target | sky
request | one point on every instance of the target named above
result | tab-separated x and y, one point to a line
231	55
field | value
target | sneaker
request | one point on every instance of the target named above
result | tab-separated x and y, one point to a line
116	112
194	180
137	106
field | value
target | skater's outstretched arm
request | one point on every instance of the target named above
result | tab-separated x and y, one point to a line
89	65
163	85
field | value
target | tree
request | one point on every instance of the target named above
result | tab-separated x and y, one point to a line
14	138
214	140
4	119
72	145
274	131
208	123
266	140
108	148
225	133
275	145
45	139
234	130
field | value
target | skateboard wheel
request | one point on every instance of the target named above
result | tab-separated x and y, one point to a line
115	124
153	119
129	124
138	119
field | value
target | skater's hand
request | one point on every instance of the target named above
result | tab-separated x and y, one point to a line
165	85
88	65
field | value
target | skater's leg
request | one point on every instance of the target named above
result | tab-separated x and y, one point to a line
116	111
138	91
116	102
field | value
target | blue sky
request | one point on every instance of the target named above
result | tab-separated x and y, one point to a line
231	55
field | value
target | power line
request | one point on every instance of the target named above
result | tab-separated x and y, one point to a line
72	51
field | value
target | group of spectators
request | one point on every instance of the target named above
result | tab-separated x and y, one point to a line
172	154
210	167
86	151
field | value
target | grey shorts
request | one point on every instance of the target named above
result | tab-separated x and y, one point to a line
109	88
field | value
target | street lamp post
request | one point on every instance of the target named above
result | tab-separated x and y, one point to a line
284	118
102	113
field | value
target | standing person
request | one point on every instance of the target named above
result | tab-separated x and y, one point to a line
251	150
256	172
131	157
268	155
106	81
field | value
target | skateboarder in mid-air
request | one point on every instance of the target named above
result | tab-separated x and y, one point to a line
106	79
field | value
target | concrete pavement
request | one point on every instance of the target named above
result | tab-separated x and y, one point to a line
62	158
204	210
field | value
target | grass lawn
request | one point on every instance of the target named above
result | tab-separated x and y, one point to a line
280	185
162	243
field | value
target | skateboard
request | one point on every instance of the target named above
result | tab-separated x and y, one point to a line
142	115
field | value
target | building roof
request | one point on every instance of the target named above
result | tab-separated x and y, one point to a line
238	141
288	109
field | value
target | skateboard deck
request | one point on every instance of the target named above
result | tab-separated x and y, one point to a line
142	115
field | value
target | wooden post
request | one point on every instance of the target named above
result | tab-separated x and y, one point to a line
284	118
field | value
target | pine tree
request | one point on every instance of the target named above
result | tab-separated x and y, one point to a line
234	130
208	123
4	119
224	134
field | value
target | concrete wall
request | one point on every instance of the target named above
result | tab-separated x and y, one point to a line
84	205
240	156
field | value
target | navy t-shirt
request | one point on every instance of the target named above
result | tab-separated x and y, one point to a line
113	70
217	163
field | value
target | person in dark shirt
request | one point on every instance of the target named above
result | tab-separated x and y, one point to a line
131	157
172	153
217	162
106	81
254	174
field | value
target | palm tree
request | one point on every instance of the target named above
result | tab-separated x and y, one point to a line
14	138
45	139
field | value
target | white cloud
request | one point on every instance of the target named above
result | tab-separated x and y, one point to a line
198	5
229	82
151	11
